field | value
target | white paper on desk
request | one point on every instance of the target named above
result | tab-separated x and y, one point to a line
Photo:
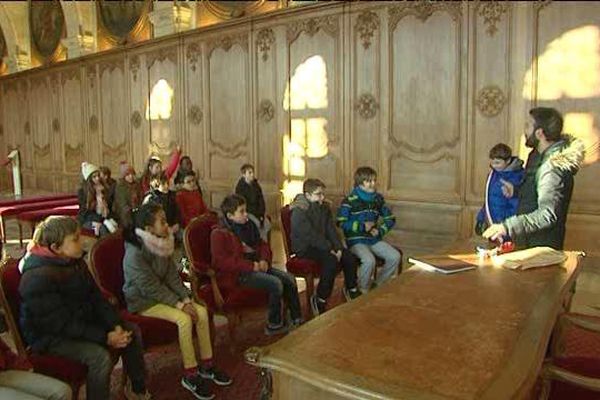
530	258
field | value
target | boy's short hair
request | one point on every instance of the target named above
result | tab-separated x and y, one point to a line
156	181
311	185
501	151
231	203
364	174
54	230
246	167
550	120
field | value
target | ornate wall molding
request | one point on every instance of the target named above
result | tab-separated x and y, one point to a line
264	40
41	151
93	123
136	119
73	157
195	114
366	106
69	74
91	75
226	42
448	144
232	151
161	55
490	100
366	25
55	125
266	110
422	10
193	50
111	65
492	12
134	66
329	24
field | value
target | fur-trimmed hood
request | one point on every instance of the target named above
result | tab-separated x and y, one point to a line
567	154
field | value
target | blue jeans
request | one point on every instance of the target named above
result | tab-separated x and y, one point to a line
367	253
280	285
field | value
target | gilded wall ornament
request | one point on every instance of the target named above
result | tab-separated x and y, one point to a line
195	114
192	55
492	12
311	26
266	110
490	101
55	125
134	66
161	55
226	42
366	25
136	119
422	10
366	106
264	40
93	123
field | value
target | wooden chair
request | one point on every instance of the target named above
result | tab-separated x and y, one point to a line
229	300
71	372
573	369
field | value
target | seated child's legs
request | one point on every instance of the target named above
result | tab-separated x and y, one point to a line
270	283
184	329
349	265
290	291
367	265
96	357
133	358
25	385
392	259
203	332
328	263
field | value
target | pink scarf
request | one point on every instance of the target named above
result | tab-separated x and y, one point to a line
162	247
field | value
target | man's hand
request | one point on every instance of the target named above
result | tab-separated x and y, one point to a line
495	233
369	225
508	189
337	254
189	309
263	266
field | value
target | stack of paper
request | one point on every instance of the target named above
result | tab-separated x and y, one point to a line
530	258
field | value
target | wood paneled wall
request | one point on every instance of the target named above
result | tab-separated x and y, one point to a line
418	90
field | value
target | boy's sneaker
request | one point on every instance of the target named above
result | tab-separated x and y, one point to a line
198	386
317	305
218	377
351	294
271	330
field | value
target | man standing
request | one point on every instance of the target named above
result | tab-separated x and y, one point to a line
546	191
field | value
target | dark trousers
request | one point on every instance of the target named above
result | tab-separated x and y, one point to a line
99	361
280	285
329	263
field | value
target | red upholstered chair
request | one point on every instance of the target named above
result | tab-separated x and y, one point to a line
573	370
227	299
60	368
303	267
106	264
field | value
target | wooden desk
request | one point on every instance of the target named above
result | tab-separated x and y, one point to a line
479	334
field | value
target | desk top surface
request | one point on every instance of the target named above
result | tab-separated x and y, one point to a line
472	335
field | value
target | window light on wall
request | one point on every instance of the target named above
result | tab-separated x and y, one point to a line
160	104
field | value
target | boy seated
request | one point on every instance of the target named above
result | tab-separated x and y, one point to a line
313	236
497	206
249	188
64	314
161	194
359	216
189	199
238	250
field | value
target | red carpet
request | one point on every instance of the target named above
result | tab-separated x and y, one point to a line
164	369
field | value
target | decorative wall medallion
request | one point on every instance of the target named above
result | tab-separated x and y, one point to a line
366	25
492	12
192	55
195	114
55	125
266	110
136	119
422	10
264	40
490	100
134	66
93	123
311	26
226	42
366	106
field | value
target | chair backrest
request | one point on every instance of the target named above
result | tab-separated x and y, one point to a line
106	262
286	227
196	240
10	299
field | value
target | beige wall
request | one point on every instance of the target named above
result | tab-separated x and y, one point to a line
418	90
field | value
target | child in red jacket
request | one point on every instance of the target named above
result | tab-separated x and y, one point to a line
238	251
189	199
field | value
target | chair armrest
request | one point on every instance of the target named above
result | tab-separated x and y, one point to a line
219	302
584	323
552	372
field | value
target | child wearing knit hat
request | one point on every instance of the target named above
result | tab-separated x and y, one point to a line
128	194
94	204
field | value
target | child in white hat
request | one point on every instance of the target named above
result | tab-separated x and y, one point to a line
95	210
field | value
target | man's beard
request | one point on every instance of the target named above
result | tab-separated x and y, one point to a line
532	141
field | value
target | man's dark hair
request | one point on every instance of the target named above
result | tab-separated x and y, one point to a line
311	185
231	203
364	174
501	151
550	120
246	167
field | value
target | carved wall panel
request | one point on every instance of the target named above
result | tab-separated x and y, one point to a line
72	123
42	129
194	118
